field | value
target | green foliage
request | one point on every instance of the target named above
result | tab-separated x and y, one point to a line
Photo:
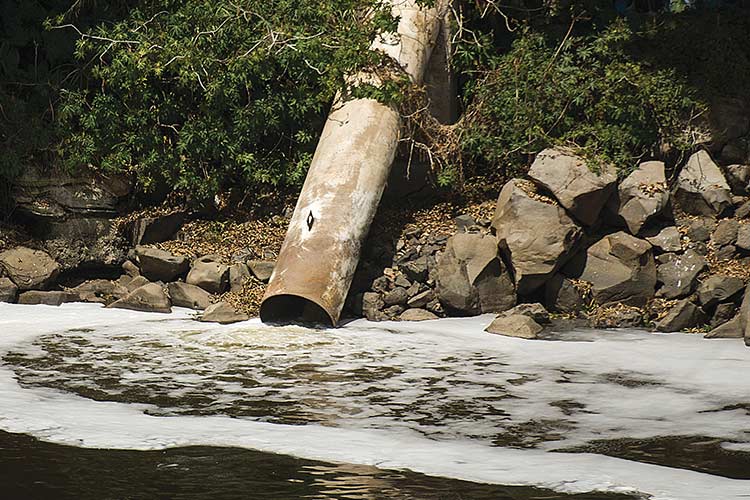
586	92
202	94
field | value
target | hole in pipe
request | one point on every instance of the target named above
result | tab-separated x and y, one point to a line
293	309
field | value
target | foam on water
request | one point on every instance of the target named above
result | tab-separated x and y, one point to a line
441	397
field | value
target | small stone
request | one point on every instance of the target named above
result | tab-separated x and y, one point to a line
417	315
35	297
732	329
421	299
682	316
464	222
535	311
148	298
743	237
701	228
725	233
679	274
396	296
743	211
223	313
209	273
158	265
157	229
516	325
372	304
667	239
190	296
561	295
402	282
238	276
381	284
393	311
136	283
738	177
8	290
727	252
724	312
413	290
262	269
717	289
130	269
415	270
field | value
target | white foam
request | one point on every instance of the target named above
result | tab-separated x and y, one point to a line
690	376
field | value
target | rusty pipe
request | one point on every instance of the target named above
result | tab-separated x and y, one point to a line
344	185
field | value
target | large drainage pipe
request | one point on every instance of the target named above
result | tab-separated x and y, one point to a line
343	187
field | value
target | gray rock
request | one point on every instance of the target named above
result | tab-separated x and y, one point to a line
701	187
464	222
398	295
743	236
101	291
667	239
421	299
717	289
725	233
209	273
238	276
535	311
158	265
262	269
734	152
393	312
36	297
471	277
415	270
561	295
621	269
700	229
743	211
682	316
147	230
516	325
731	329
744	316
535	236
148	298
724	312
381	284
580	190
643	195
738	177
402	282
679	274
417	315
372	306
29	269
136	283
8	290
223	313
131	269
190	296
727	252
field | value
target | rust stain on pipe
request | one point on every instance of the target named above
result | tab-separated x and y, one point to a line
343	188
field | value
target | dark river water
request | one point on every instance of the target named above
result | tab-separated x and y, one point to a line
99	404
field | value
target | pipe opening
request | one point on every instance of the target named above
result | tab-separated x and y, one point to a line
293	309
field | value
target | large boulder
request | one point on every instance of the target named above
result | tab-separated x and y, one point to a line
472	279
621	269
580	190
209	273
732	329
8	290
643	195
158	265
701	187
534	233
683	315
678	274
223	313
102	291
515	325
29	269
667	239
148	298
190	296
